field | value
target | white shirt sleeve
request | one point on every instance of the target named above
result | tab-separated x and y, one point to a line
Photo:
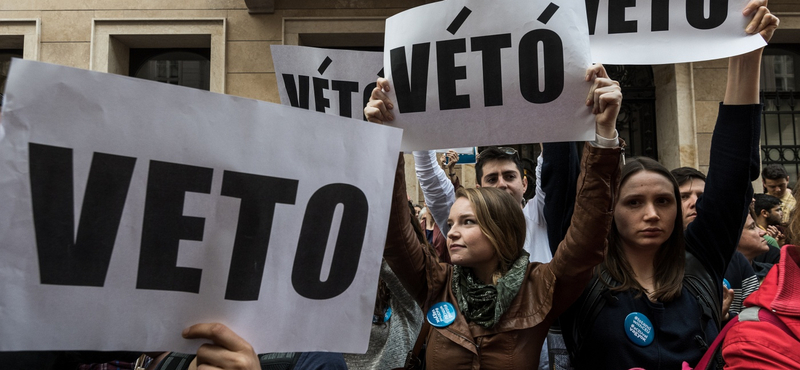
536	241
436	187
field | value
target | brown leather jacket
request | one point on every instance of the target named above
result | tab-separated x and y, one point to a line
516	341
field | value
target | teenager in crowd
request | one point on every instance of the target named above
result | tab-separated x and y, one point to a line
495	306
662	288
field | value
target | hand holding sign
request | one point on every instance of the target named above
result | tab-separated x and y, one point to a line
228	351
668	31
605	98
743	70
763	21
379	105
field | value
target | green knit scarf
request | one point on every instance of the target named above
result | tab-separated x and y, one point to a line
485	303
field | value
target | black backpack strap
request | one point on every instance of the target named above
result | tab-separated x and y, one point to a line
594	298
702	286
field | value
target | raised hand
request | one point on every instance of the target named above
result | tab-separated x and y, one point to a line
378	110
605	98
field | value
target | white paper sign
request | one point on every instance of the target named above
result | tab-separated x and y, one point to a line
331	81
668	31
476	72
133	209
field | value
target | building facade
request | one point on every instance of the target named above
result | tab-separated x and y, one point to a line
223	46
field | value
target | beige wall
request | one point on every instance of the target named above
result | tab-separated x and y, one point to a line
67	29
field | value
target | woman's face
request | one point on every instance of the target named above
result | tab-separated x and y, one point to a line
645	211
467	244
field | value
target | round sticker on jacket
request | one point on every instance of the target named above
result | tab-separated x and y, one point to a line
441	314
726	283
639	329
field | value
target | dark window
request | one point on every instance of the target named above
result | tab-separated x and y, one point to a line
184	67
5	62
780	68
636	123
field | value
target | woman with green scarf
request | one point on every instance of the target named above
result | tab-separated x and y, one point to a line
491	308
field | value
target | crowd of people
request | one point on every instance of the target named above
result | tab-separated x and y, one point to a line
629	264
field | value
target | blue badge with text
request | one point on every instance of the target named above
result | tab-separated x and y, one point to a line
726	283
441	314
639	329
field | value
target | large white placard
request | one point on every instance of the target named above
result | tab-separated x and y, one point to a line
132	209
668	31
476	72
326	80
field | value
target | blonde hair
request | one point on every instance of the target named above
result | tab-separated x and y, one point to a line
500	218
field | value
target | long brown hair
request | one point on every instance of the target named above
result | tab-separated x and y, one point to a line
670	257
500	218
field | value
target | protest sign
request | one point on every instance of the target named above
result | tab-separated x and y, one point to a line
329	81
133	209
475	72
668	31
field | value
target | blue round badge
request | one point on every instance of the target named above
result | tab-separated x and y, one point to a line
726	283
639	329
441	314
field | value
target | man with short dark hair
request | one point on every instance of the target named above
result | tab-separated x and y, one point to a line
776	183
768	216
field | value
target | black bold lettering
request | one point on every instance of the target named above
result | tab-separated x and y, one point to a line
63	259
165	225
411	92
659	15
529	67
296	100
695	13
258	195
314	238
592	7
367	95
616	16
448	73
320	101
345	89
490	46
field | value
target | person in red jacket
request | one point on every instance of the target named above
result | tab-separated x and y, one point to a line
761	344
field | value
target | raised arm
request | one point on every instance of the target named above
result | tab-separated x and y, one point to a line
584	244
436	186
734	160
405	253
